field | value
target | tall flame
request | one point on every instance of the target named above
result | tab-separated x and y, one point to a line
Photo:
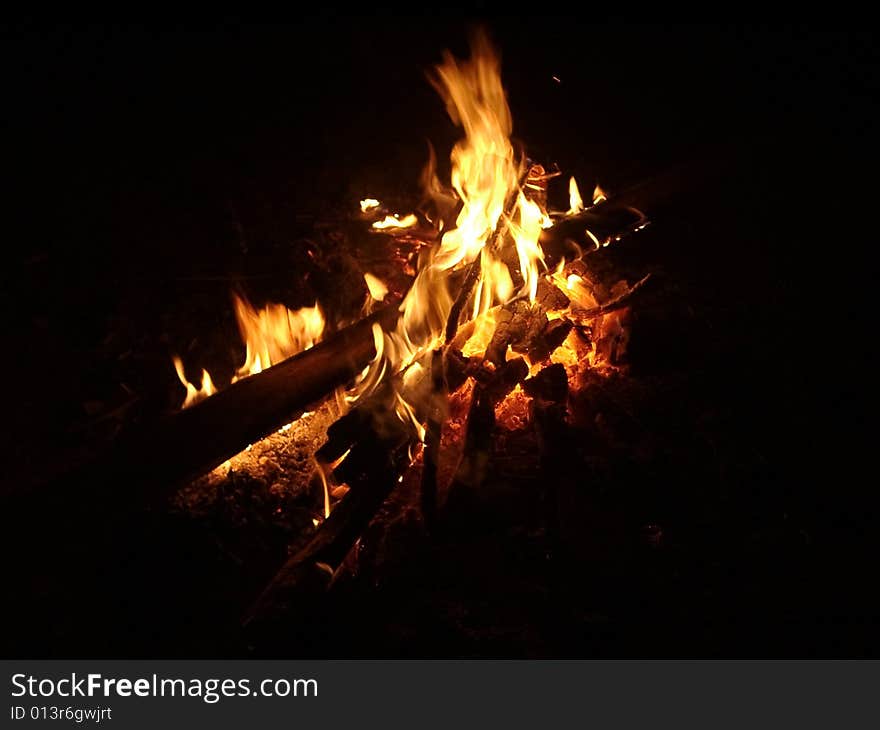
485	179
575	201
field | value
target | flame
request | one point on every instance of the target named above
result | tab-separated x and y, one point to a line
495	239
406	413
274	333
484	328
270	334
378	289
193	394
485	180
528	249
395	221
484	168
575	201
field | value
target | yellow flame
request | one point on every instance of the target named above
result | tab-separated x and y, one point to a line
369	204
599	195
575	201
485	178
193	394
378	289
274	333
527	247
484	168
484	328
395	221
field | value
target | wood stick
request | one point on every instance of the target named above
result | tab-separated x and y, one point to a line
149	464
621	212
438	361
380	459
582	316
157	460
433	432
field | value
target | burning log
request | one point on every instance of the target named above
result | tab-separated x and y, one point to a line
439	379
153	462
195	440
379	447
439	393
493	382
549	390
624	212
624	299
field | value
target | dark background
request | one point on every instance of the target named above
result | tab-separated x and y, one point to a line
145	164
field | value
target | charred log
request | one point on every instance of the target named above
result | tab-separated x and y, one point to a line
154	461
624	299
371	469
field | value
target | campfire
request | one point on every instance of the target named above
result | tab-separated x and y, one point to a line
329	344
502	319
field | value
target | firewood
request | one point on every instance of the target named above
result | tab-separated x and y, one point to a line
624	299
550	384
549	297
431	454
371	469
458	368
546	339
511	326
547	416
493	382
493	246
154	461
623	211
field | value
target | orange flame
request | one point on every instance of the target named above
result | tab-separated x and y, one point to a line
274	333
485	175
193	394
270	334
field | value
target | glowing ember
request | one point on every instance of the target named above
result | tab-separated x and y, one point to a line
369	204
